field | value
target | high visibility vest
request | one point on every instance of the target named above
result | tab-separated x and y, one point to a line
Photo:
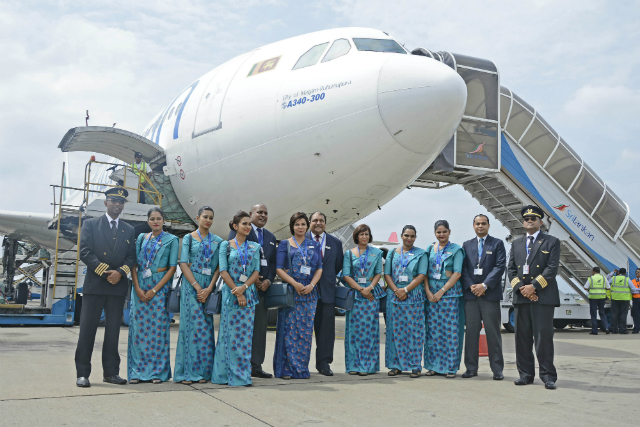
620	289
597	289
636	283
139	168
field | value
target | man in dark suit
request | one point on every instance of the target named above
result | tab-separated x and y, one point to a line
325	320
533	266
484	265
259	216
108	248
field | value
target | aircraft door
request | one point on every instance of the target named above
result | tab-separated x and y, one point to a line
209	114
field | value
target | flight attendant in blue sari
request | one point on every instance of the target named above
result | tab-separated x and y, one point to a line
157	257
404	272
199	265
361	269
299	264
445	306
239	268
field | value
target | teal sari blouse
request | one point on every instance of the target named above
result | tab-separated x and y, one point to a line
417	263
232	264
154	253
373	266
193	249
452	261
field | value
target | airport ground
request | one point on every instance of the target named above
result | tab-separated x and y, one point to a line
598	385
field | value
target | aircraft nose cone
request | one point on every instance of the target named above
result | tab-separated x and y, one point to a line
421	102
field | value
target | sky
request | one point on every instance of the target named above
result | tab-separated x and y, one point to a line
123	61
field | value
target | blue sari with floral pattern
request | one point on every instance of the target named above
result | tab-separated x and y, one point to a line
294	329
196	347
232	362
362	323
148	347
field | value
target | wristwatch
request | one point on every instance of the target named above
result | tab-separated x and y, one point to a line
484	286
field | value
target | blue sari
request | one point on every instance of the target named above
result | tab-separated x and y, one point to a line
294	330
362	327
405	336
195	349
445	319
232	363
148	347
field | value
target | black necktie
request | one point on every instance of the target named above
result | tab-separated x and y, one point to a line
530	246
114	229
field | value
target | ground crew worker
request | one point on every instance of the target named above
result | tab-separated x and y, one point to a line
140	166
621	291
635	310
597	286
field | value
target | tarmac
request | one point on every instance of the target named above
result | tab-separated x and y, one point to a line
598	384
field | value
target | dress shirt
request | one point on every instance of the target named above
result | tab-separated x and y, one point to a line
535	236
313	236
109	219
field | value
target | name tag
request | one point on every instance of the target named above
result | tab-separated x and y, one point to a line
489	252
306	270
436	276
477	271
272	243
243	278
310	247
206	271
263	262
146	273
525	269
327	247
404	278
362	280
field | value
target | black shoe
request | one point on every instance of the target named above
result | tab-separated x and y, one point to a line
498	376
261	374
523	381
593	333
248	385
624	333
114	379
83	382
614	332
635	332
327	372
469	374
607	332
550	385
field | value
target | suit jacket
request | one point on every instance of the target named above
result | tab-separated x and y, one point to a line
544	259
101	252
332	260
493	263
269	251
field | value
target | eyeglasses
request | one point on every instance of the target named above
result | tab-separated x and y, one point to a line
529	219
117	201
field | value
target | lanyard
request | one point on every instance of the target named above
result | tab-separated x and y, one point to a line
304	254
146	255
363	264
207	246
403	258
440	253
243	258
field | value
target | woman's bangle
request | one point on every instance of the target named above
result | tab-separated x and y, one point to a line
194	283
153	290
406	289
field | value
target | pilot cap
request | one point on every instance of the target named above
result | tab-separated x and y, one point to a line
532	210
117	193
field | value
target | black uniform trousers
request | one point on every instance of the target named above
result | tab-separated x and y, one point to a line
635	313
534	324
92	306
259	341
325	329
619	313
476	313
596	306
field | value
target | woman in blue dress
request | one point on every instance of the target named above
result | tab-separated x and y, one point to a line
404	272
198	262
445	308
157	257
299	264
239	268
361	269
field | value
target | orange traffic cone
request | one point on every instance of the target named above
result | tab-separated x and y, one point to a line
483	349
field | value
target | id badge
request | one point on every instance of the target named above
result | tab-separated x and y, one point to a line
525	269
206	271
403	278
305	269
477	271
436	276
263	262
146	273
243	278
362	280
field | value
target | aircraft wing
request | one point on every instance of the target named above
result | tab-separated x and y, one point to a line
30	227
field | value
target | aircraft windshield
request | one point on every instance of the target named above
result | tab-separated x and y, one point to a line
378	45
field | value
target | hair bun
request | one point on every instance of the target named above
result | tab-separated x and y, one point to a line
231	225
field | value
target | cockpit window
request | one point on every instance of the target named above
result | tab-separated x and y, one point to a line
338	48
379	45
311	56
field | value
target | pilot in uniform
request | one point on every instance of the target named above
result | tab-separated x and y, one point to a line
108	248
533	266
